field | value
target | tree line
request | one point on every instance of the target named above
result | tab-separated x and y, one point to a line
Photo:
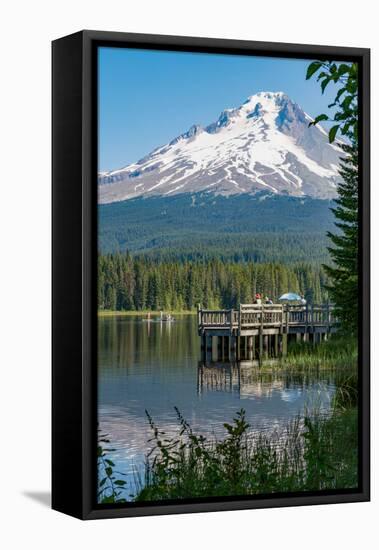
127	283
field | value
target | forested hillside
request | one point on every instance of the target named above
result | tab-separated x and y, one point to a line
127	283
193	227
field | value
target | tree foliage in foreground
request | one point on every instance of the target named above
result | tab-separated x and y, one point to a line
344	250
345	117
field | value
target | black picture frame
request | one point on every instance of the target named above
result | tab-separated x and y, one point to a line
74	334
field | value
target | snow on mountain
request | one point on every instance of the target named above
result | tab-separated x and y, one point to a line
265	144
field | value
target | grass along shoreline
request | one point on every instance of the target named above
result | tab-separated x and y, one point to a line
313	452
339	352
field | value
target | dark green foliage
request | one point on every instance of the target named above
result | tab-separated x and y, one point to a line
344	252
127	283
346	100
109	486
258	228
321	454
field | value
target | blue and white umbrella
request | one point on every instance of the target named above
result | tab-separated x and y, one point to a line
290	297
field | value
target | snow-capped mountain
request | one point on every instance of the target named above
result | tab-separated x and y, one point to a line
265	144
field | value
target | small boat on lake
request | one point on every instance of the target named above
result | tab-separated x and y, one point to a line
166	317
163	318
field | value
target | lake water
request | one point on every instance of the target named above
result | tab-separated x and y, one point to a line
156	366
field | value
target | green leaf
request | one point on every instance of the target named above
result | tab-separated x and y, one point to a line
345	128
120	482
99	451
107	500
346	102
339	93
343	69
322	75
351	85
312	68
318	119
333	132
324	83
341	115
108	461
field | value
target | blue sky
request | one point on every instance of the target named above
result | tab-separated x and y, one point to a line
146	98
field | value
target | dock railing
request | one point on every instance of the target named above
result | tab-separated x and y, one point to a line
250	316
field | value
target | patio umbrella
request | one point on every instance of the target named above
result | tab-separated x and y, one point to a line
290	297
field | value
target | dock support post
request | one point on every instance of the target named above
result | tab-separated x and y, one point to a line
266	344
232	348
214	340
249	346
250	342
276	338
204	345
284	344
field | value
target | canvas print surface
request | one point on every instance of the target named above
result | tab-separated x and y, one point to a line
227	276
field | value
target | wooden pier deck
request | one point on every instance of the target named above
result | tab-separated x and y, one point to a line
256	331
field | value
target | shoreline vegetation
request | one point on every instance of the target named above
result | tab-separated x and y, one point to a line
339	352
311	453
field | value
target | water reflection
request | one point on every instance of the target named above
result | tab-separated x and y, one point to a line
156	366
247	380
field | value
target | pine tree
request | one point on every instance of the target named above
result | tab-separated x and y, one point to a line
344	252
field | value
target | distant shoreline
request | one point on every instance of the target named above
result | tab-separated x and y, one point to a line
110	313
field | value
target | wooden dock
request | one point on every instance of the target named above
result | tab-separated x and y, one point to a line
257	332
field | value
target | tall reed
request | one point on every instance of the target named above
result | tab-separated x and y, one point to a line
314	453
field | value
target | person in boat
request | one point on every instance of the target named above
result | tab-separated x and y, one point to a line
166	317
268	300
258	299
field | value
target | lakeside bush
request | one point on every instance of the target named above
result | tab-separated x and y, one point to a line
315	453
